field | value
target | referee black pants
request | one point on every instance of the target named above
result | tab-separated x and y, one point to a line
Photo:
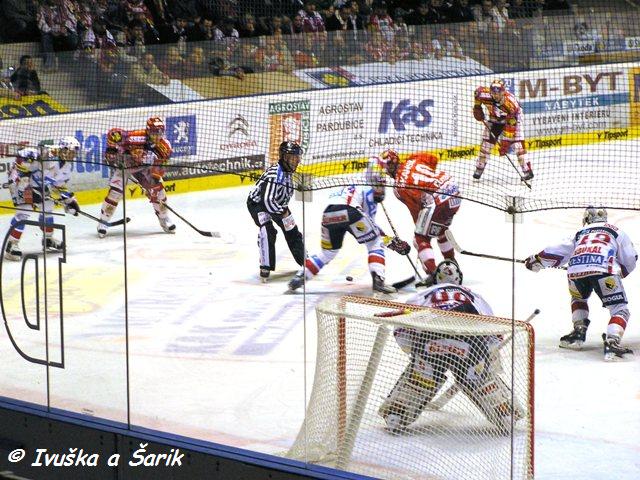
267	236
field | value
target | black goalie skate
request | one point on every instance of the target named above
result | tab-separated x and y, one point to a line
576	338
613	350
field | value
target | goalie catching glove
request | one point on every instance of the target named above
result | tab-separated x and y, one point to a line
397	245
533	263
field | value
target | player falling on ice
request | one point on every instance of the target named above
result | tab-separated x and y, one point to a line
472	360
352	209
37	179
432	198
504	125
139	156
599	256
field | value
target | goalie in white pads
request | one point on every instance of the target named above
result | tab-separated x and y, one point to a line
352	209
599	256
472	360
34	176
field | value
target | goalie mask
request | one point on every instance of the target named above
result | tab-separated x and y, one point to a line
594	215
448	271
374	176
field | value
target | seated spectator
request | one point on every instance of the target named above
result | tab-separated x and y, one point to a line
382	22
421	50
6	88
485	17
247	28
275	56
25	79
176	32
312	21
376	48
446	45
97	37
146	72
195	65
247	57
520	9
226	34
112	80
202	30
173	64
137	10
136	39
84	15
58	28
461	11
221	66
160	14
18	20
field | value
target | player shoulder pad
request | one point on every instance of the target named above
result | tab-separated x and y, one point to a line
482	92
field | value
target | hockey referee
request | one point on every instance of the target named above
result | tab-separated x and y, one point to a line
268	202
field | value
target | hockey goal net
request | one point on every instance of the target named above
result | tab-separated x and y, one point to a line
359	362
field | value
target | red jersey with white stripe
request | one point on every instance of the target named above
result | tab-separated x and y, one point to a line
131	141
416	179
499	112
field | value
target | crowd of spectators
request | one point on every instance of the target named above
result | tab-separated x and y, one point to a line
119	39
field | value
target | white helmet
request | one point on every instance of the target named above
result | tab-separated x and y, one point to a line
448	271
594	215
70	143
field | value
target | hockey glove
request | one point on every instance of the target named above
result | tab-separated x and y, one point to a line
533	263
71	206
397	245
478	113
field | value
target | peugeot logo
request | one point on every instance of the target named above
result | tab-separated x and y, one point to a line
239	125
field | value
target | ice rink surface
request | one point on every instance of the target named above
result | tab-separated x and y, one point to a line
216	355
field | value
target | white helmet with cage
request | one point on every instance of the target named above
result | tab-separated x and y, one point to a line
594	215
448	271
68	143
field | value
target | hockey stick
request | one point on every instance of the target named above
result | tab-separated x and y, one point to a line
404	283
386	214
486	124
457	248
204	233
450	392
122	221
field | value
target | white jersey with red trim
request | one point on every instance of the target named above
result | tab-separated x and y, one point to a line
357	196
596	249
447	296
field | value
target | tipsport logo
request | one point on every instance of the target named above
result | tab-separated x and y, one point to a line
182	133
404	114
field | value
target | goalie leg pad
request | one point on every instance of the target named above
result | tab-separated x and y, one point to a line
416	386
493	398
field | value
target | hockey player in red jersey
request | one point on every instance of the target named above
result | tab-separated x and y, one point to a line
504	125
432	198
143	154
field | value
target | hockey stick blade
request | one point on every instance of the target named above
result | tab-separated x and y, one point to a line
458	249
404	283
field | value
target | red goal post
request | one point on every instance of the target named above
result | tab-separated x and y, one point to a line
358	363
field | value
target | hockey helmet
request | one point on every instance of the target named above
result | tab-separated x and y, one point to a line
67	148
594	215
391	161
497	89
289	155
155	127
448	271
374	175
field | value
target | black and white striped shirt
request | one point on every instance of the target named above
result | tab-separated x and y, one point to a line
273	189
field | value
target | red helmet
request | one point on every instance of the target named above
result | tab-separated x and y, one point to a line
155	125
390	160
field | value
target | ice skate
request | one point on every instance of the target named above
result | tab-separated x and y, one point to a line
528	175
478	173
264	274
379	285
296	282
12	252
102	230
576	338
167	225
612	348
52	244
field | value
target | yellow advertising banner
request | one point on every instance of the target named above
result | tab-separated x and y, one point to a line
29	106
634	96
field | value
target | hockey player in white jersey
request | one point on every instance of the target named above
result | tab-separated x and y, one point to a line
599	256
472	360
352	209
34	176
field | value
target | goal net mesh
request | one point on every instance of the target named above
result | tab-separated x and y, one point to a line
358	363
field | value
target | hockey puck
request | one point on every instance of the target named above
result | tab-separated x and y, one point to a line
349	278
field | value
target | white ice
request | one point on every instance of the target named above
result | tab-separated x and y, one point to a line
216	355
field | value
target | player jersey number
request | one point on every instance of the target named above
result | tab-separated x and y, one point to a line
597	237
423	174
